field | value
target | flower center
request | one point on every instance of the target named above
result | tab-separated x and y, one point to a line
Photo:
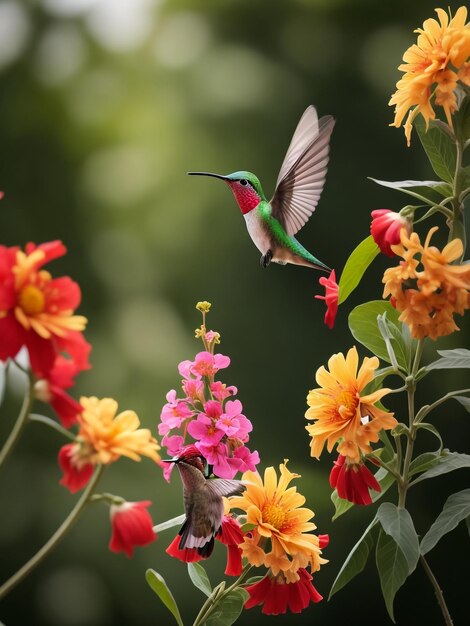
347	400
274	514
31	300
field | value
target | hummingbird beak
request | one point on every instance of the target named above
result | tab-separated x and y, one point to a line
173	460
207	174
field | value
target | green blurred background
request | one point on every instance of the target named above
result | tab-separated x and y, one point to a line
104	106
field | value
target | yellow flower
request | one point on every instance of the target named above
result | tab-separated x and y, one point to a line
339	411
104	436
428	291
433	67
204	306
281	539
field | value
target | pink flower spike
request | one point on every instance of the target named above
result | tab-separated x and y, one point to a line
194	389
207	364
213	409
330	297
173	443
221	391
222	465
204	430
173	414
249	459
184	368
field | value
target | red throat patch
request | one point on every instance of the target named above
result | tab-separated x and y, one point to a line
246	196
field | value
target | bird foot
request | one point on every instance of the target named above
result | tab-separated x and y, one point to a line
266	259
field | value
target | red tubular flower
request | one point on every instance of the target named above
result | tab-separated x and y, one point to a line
187	555
36	310
131	526
385	229
276	595
75	476
230	534
330	298
352	481
51	390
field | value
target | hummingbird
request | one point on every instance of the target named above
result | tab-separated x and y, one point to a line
272	224
203	504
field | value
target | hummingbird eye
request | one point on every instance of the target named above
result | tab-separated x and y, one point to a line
243	182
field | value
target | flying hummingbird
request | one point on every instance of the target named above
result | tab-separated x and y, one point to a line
203	502
272	225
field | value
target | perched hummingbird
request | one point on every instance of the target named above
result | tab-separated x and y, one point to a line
272	225
203	503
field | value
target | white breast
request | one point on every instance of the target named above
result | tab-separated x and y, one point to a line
257	232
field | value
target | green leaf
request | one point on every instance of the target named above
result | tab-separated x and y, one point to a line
356	560
416	188
385	480
456	509
398	524
462	120
439	147
392	567
388	452
175	521
199	578
423	462
465	402
451	359
447	463
432	429
245	528
359	260
158	585
364	328
228	609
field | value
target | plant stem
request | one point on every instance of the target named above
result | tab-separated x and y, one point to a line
457	223
438	591
56	537
20	423
213	601
42	419
430	407
411	388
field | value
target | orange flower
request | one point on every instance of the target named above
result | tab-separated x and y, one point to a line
428	291
281	539
442	47
103	438
339	411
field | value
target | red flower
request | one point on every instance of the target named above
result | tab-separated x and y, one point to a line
51	390
352	481
277	595
330	297
385	229
187	555
76	475
132	526
36	310
229	533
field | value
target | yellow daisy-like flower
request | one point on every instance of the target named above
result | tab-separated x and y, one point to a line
104	436
339	410
281	539
428	291
433	66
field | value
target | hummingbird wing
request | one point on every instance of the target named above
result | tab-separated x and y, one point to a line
224	487
303	172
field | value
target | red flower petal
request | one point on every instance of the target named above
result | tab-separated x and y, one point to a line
13	335
131	526
352	481
74	478
66	407
187	555
330	297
